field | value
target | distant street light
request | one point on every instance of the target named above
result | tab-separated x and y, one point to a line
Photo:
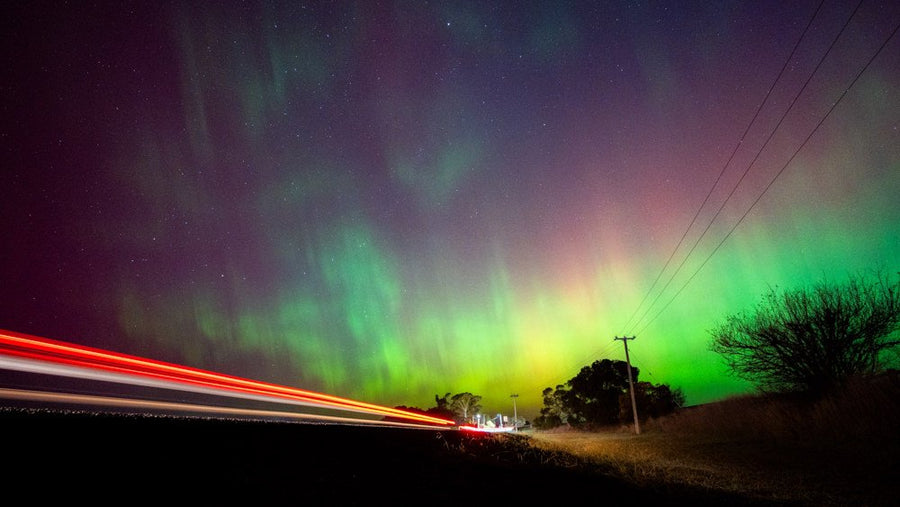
515	414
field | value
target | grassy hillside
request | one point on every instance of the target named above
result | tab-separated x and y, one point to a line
836	451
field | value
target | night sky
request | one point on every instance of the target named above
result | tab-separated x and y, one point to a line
391	200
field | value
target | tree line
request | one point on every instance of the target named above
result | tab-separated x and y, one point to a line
460	407
809	341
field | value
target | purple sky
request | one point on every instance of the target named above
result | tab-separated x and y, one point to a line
391	200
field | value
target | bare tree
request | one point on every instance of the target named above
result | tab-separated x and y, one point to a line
812	340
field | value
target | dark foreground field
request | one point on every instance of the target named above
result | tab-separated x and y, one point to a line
107	459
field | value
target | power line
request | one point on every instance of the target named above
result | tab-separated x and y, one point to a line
750	165
772	181
775	129
645	370
722	172
601	352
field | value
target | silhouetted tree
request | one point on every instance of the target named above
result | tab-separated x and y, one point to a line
594	392
442	402
441	407
653	401
813	340
661	400
554	412
599	395
464	406
459	407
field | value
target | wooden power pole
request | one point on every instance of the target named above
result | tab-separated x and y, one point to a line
637	425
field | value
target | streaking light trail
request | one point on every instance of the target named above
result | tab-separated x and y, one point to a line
477	429
110	401
40	355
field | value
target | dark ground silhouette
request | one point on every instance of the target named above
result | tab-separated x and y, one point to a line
120	459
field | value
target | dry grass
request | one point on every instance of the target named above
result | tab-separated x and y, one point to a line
838	451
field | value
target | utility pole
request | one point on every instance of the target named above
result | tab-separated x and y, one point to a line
515	414
637	425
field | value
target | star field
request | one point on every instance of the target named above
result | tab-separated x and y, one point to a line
391	200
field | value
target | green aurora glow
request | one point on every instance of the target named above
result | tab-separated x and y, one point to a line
391	203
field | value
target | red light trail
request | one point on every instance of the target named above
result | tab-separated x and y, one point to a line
109	401
40	355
